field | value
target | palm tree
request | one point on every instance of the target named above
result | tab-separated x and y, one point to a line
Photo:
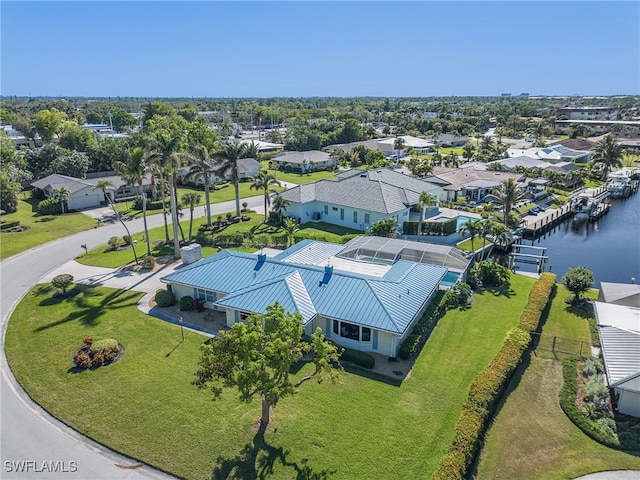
263	181
398	144
290	227
104	185
472	228
191	199
165	150
134	171
609	154
230	153
62	194
506	195
279	205
202	163
468	151
424	200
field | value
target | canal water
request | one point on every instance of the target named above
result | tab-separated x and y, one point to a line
609	247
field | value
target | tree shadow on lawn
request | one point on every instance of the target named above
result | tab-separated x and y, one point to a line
87	312
501	291
257	461
582	310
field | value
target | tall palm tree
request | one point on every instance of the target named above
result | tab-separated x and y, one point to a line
104	185
203	163
191	199
424	200
398	144
134	171
609	154
263	181
62	194
472	228
290	227
279	205
230	153
506	195
165	150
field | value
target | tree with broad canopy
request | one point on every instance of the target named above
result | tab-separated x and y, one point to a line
256	358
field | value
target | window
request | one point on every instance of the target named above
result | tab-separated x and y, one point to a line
367	218
342	214
206	295
335	326
350	331
355	217
244	316
326	209
366	334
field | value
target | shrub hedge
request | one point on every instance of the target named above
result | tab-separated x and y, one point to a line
568	405
49	206
361	359
488	387
186	303
423	327
165	298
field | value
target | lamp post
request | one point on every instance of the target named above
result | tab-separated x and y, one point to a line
181	328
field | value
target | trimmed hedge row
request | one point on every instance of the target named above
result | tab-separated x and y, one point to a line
361	359
280	239
422	327
568	405
488	387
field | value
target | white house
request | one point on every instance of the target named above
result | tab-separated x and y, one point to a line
248	168
618	318
358	199
358	300
308	161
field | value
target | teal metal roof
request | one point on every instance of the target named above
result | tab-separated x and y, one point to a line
251	283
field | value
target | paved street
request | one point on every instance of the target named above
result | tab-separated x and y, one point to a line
27	432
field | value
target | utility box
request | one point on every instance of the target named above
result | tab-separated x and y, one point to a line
191	253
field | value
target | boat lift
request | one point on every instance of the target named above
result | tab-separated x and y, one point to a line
539	258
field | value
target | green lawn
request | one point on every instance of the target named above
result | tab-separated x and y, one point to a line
532	437
42	228
145	406
455	150
225	194
103	256
299	178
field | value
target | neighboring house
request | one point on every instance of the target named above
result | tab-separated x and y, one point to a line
576	144
358	199
303	162
557	153
364	304
82	193
449	140
472	183
19	140
618	318
522	161
599	126
248	168
387	145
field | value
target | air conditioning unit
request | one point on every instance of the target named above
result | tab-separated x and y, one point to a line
316	215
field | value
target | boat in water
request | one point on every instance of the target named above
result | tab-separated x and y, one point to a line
619	184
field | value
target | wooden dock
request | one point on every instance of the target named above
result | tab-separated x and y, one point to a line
534	226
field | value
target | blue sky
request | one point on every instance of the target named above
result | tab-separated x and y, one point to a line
302	49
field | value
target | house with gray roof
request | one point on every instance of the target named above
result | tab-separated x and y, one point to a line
358	302
248	168
472	183
358	199
82	191
619	329
303	162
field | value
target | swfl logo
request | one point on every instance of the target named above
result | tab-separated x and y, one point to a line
25	466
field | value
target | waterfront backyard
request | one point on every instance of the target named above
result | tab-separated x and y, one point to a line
145	406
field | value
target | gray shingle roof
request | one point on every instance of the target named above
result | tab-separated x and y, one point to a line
296	158
382	190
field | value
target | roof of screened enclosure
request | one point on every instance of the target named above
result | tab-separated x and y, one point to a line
390	250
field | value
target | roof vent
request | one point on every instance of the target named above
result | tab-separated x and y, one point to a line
363	175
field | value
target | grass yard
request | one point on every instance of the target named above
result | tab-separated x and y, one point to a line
299	178
145	406
543	443
225	194
455	150
43	228
103	256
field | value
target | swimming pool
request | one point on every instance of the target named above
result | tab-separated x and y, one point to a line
460	220
450	279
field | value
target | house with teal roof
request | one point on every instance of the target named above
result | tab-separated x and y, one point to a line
358	301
